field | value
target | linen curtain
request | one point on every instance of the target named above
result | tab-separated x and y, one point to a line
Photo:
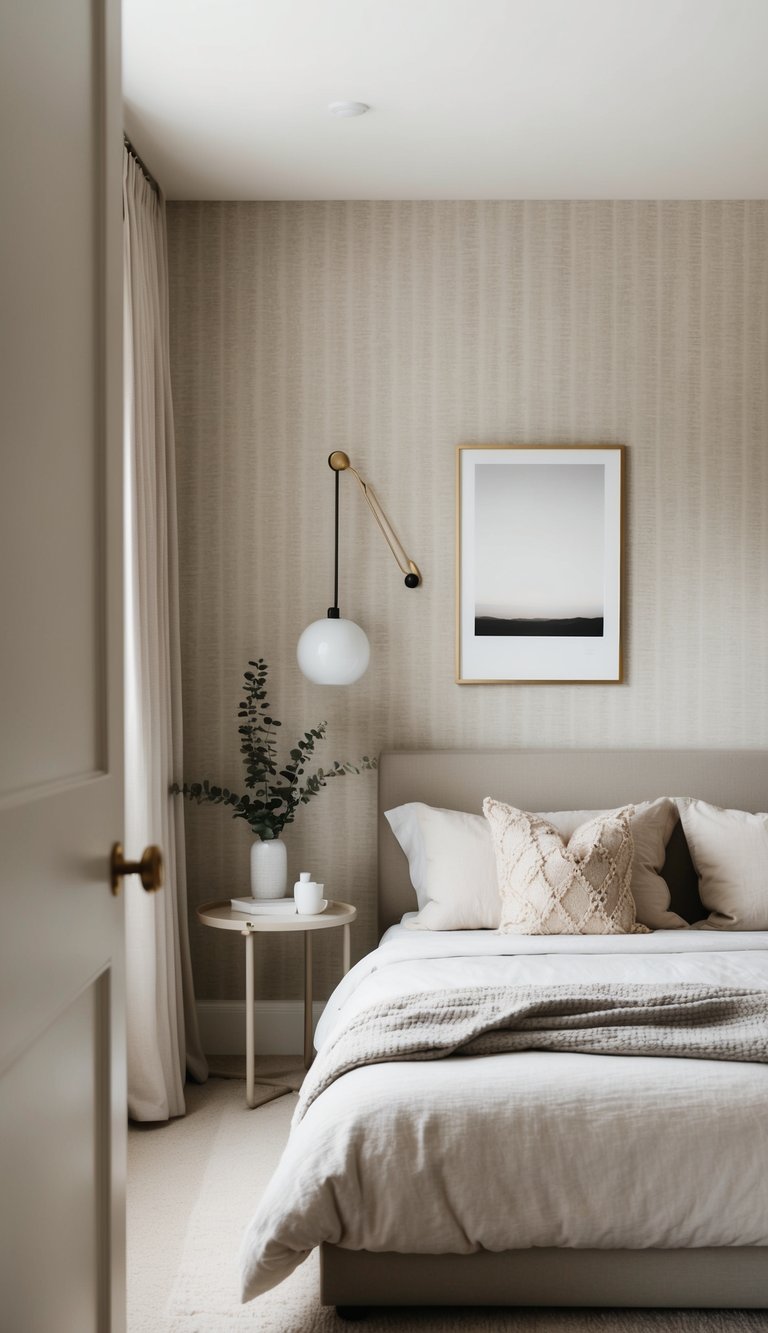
163	1035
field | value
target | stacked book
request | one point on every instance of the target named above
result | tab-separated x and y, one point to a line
263	906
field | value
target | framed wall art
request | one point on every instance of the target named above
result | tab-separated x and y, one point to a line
538	552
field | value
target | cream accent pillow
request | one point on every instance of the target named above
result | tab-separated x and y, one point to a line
550	888
453	866
729	849
652	823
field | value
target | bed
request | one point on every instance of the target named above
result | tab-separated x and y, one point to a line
534	1178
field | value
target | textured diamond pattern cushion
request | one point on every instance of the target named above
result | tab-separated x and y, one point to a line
550	888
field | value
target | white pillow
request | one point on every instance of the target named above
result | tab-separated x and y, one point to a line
550	887
453	867
729	849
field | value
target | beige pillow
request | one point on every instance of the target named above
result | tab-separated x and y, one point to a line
453	866
652	823
729	849
550	888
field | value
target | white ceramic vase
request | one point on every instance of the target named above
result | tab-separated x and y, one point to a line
269	869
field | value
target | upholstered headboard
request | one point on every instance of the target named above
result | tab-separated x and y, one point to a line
562	780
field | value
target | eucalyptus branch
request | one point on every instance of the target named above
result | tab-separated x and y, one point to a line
280	790
204	792
319	778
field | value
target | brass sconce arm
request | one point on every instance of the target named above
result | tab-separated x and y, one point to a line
339	462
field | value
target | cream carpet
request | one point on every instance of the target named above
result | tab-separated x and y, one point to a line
192	1186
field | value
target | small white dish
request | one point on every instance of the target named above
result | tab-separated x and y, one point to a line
315	911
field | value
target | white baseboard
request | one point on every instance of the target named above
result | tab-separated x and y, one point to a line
278	1026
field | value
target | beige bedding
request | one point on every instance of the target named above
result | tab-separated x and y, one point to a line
532	1148
684	1021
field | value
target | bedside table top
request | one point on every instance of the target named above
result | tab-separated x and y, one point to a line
220	915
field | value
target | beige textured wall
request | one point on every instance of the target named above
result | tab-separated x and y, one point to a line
396	331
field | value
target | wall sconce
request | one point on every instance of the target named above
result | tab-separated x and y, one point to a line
335	651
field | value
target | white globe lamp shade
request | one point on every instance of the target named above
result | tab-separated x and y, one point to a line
333	652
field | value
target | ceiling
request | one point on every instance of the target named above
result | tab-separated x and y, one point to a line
470	99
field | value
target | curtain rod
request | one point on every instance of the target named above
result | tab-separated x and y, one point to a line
129	148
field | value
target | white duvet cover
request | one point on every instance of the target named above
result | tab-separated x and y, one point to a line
528	1149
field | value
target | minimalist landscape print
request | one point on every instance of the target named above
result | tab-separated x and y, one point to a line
538	563
539	560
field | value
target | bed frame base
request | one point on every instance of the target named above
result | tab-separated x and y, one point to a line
732	1278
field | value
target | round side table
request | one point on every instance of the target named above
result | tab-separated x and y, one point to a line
221	917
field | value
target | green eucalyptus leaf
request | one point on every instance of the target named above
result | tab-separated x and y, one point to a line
276	790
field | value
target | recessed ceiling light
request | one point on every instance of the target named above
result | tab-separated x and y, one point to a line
348	108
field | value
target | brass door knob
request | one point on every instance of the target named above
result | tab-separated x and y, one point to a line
149	868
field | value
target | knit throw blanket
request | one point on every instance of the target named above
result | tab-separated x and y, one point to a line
696	1022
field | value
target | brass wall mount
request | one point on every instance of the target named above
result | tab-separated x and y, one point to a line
338	461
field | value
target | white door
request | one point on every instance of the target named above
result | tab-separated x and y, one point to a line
62	1094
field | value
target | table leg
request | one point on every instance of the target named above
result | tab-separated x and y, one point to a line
249	1097
346	953
307	998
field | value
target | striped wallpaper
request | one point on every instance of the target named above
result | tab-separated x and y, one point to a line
396	331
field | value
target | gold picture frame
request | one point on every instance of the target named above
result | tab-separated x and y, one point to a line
539	564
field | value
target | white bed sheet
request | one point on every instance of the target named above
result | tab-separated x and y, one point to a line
716	958
526	1149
